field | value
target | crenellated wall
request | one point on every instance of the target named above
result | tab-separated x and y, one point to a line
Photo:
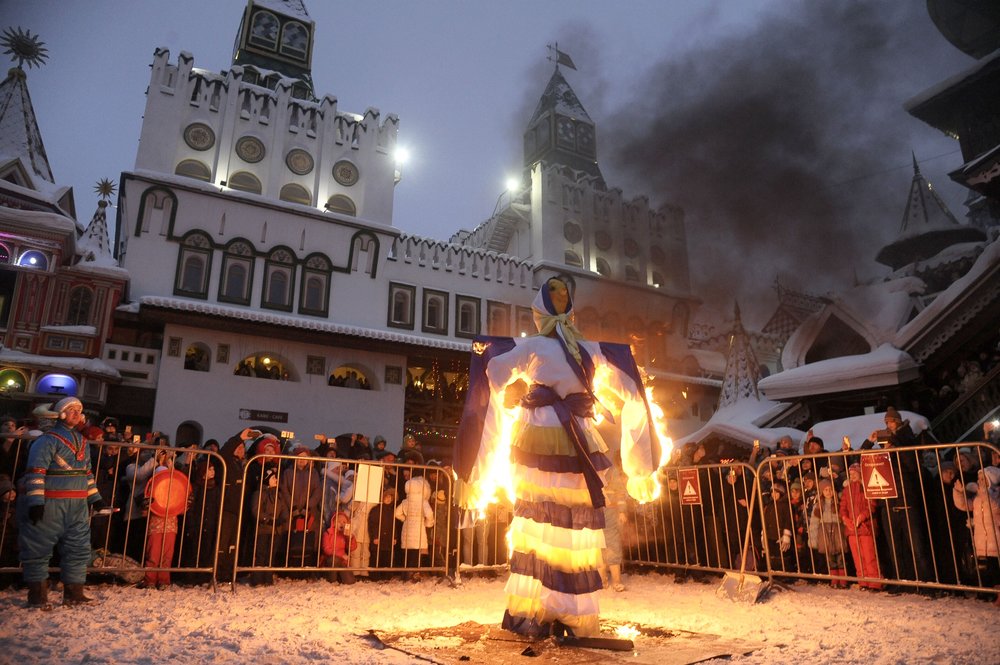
244	129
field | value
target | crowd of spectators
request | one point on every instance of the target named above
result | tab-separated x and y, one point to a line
940	525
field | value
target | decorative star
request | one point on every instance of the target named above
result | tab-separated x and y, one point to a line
24	47
106	188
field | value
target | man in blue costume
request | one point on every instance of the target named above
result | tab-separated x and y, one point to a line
557	459
55	507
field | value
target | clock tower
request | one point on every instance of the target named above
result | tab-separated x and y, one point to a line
277	35
560	131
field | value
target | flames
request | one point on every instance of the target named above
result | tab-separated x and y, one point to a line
627	632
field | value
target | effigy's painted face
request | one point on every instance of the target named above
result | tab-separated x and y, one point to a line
559	295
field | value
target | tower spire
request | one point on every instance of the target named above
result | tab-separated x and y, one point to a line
742	369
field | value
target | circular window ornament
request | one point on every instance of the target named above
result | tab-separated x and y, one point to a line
603	240
250	149
345	173
199	136
299	161
657	256
631	248
572	232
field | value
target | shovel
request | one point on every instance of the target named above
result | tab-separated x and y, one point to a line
743	587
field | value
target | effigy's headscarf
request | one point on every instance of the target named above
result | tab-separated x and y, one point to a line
564	325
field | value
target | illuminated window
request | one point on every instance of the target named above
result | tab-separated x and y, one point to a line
33	259
315	289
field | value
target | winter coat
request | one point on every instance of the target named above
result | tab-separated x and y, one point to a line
337	540
857	511
270	511
233	498
829	529
303	491
983	505
382	525
415	513
134	482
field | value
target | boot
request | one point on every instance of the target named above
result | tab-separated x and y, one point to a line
38	595
73	595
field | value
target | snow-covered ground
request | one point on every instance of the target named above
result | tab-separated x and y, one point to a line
300	621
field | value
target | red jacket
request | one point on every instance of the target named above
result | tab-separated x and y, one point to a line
856	511
337	543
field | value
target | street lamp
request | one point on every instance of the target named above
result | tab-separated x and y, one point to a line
511	186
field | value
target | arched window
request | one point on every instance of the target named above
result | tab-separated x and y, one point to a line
603	268
193	266
658	280
315	289
467	316
264	30
435	312
295	194
237	273
571	258
350	376
198	358
34	259
4	254
278	280
81	300
295	40
12	381
244	181
192	168
402	300
263	365
341	203
498	318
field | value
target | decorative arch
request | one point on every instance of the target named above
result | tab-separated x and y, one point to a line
57	385
603	267
264	31
34	258
364	253
157	206
4	253
192	168
295	193
198	357
295	40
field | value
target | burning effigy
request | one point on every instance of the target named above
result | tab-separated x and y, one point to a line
547	455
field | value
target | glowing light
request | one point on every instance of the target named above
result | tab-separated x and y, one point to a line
11	382
266	361
402	155
684	393
32	260
627	632
513	184
996	423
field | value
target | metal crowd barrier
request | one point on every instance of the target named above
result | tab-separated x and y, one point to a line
900	522
341	518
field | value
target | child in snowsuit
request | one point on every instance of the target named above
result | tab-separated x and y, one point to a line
857	513
338	543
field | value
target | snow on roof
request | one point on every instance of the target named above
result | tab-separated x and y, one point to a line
859	428
739	421
293	8
19	133
710	361
304	323
90	365
876	311
684	378
41	189
255	199
39	220
944	85
72	330
885	366
559	96
951	254
986	262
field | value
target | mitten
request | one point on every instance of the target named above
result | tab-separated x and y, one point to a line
786	540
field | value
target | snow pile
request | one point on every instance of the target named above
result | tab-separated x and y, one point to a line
306	620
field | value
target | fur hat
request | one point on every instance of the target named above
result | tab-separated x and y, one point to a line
411	455
892	414
66	403
796	485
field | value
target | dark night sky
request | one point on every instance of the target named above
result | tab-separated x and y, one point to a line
777	124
